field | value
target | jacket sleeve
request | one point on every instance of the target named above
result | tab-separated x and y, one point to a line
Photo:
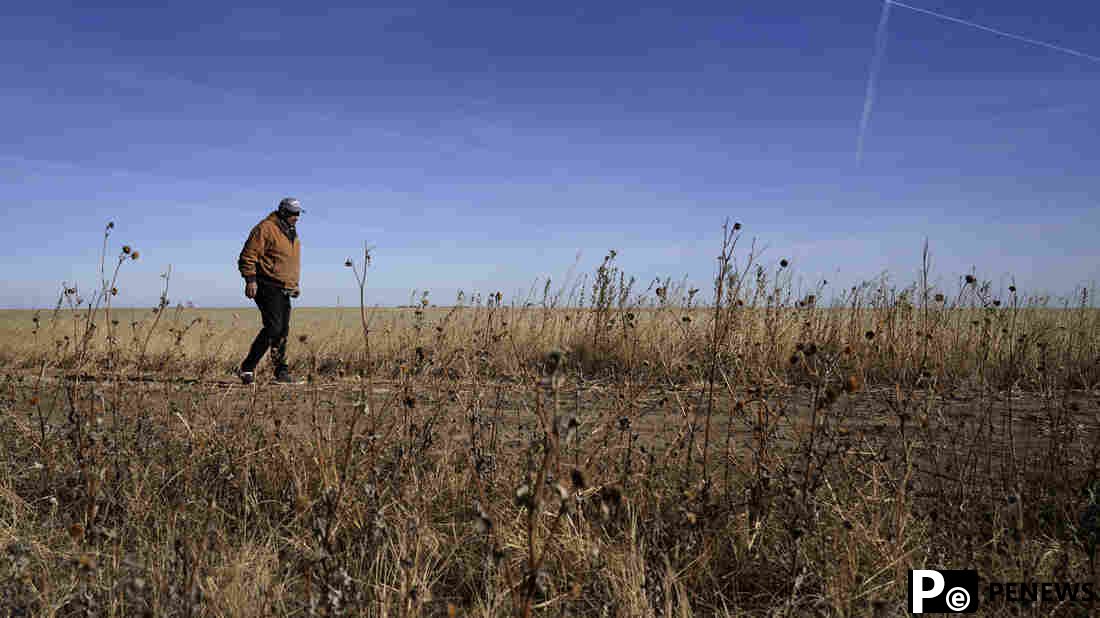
250	254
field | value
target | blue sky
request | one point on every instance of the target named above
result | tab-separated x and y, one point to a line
482	147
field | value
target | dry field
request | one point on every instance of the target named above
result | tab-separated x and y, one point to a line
605	449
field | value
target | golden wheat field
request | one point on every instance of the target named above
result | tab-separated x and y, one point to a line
604	450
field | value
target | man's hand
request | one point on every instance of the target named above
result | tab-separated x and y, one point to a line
295	293
250	289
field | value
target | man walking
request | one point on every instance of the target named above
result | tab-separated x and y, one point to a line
271	264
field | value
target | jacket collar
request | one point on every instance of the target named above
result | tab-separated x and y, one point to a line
289	230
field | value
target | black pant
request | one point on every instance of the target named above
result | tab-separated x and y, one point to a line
274	304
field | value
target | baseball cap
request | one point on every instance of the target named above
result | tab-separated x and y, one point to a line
291	205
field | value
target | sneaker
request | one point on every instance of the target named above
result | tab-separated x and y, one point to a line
247	377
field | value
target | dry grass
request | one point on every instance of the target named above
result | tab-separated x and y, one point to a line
600	449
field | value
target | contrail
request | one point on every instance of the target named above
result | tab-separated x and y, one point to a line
1016	37
880	48
876	66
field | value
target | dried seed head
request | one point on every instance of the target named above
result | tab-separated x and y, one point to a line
1012	289
303	338
524	497
828	398
86	563
126	249
563	493
134	255
611	497
347	263
737	226
578	479
483	522
869	335
783	263
939	298
553	361
571	428
971	280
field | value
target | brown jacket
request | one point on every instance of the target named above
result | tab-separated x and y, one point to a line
270	255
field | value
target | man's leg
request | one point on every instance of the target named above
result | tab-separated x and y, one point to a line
271	314
278	344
